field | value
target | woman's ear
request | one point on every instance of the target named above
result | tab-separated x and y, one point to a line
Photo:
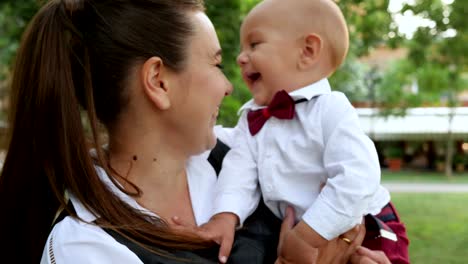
311	49
154	80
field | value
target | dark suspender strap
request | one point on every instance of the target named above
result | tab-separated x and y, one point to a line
301	101
387	214
208	256
217	155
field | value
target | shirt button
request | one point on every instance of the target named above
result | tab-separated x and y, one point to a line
268	188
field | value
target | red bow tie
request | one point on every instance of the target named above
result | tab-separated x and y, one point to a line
282	107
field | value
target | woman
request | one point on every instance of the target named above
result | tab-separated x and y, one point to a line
149	71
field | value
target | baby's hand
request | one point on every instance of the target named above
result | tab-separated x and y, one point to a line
220	228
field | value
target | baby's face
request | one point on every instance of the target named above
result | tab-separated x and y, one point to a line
286	45
269	53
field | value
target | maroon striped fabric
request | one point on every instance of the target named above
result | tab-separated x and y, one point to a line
380	230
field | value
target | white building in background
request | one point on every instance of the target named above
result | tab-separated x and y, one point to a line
421	136
419	124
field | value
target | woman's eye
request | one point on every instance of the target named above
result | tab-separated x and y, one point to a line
253	44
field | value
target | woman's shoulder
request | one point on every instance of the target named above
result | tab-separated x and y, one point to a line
74	241
225	134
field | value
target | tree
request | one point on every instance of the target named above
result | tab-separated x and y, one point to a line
369	25
14	16
368	21
436	62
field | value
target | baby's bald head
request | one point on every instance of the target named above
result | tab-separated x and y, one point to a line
302	17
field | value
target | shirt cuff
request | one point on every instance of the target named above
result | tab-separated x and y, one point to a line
328	222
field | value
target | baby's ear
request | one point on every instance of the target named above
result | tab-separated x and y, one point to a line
312	46
155	81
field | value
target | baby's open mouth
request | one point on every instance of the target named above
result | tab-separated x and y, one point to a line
254	76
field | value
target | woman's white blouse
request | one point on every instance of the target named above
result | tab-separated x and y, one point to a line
72	241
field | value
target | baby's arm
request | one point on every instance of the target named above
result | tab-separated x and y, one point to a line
353	169
237	190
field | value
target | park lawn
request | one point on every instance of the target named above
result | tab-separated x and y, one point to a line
423	176
437	226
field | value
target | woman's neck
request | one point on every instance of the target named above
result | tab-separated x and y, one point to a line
158	171
147	158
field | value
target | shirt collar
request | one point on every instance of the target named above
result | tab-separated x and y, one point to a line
308	92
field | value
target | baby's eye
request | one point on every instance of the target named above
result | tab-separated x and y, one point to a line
220	66
254	44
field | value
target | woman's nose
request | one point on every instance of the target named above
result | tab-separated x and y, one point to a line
229	89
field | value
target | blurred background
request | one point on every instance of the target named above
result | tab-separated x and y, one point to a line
407	75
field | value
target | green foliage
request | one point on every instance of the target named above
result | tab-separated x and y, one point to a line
226	17
369	24
391	94
350	79
436	59
368	21
14	16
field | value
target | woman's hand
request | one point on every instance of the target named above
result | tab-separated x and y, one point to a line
340	250
366	256
292	249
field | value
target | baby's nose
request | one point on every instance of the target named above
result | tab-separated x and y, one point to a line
242	59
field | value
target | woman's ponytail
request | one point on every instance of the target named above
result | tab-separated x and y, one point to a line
46	137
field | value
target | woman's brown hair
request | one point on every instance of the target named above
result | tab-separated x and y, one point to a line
76	55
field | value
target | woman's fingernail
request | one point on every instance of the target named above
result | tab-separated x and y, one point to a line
223	259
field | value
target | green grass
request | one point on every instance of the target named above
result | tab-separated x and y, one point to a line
437	226
423	176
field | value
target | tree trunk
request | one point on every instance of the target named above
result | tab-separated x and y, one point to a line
449	156
449	149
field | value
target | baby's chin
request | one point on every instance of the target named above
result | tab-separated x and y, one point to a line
261	100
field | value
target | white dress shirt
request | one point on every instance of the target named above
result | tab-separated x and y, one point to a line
75	242
292	159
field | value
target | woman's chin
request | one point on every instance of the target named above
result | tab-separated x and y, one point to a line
211	141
